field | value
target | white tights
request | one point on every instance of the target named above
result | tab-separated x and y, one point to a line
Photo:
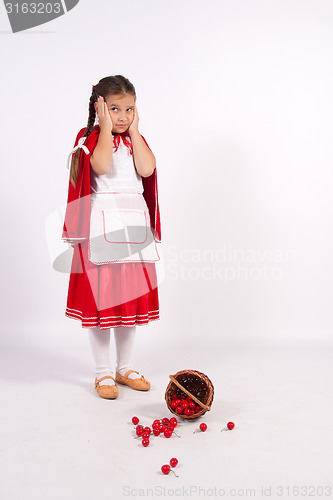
100	344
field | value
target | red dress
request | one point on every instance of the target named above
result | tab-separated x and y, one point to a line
121	291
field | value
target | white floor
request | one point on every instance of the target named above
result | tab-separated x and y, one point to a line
60	440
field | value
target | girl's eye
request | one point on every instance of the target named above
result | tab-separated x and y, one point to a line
113	109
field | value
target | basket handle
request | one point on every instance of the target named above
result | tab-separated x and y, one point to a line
175	381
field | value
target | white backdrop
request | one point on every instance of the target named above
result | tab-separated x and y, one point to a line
235	101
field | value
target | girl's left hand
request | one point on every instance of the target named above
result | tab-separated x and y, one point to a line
134	127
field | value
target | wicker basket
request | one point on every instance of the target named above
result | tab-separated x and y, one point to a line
196	385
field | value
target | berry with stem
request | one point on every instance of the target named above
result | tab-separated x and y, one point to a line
166	469
202	427
139	430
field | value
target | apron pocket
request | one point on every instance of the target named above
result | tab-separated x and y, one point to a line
124	226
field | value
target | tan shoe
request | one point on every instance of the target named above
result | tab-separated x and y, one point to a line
139	384
106	391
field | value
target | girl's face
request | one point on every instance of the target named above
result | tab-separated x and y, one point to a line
121	109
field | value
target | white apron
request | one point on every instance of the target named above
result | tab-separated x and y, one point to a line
120	229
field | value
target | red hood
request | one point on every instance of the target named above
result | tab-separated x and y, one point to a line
77	216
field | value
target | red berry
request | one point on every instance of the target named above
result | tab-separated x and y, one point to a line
173	421
173	404
165	469
135	420
168	433
187	411
139	430
145	442
156	432
184	404
198	408
148	429
202	427
177	401
192	412
230	425
162	427
173	462
170	427
145	434
174	396
179	410
165	420
156	423
192	405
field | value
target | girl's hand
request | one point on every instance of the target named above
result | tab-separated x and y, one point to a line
104	117
134	127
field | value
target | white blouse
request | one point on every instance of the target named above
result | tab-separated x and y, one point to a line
122	176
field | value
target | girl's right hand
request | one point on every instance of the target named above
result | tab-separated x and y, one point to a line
104	117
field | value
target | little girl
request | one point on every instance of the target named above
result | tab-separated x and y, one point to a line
112	221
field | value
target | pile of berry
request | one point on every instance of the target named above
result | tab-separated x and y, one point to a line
163	426
183	405
166	427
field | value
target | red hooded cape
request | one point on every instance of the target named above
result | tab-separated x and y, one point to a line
77	217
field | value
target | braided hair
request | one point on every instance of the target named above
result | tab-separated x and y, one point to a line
110	85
